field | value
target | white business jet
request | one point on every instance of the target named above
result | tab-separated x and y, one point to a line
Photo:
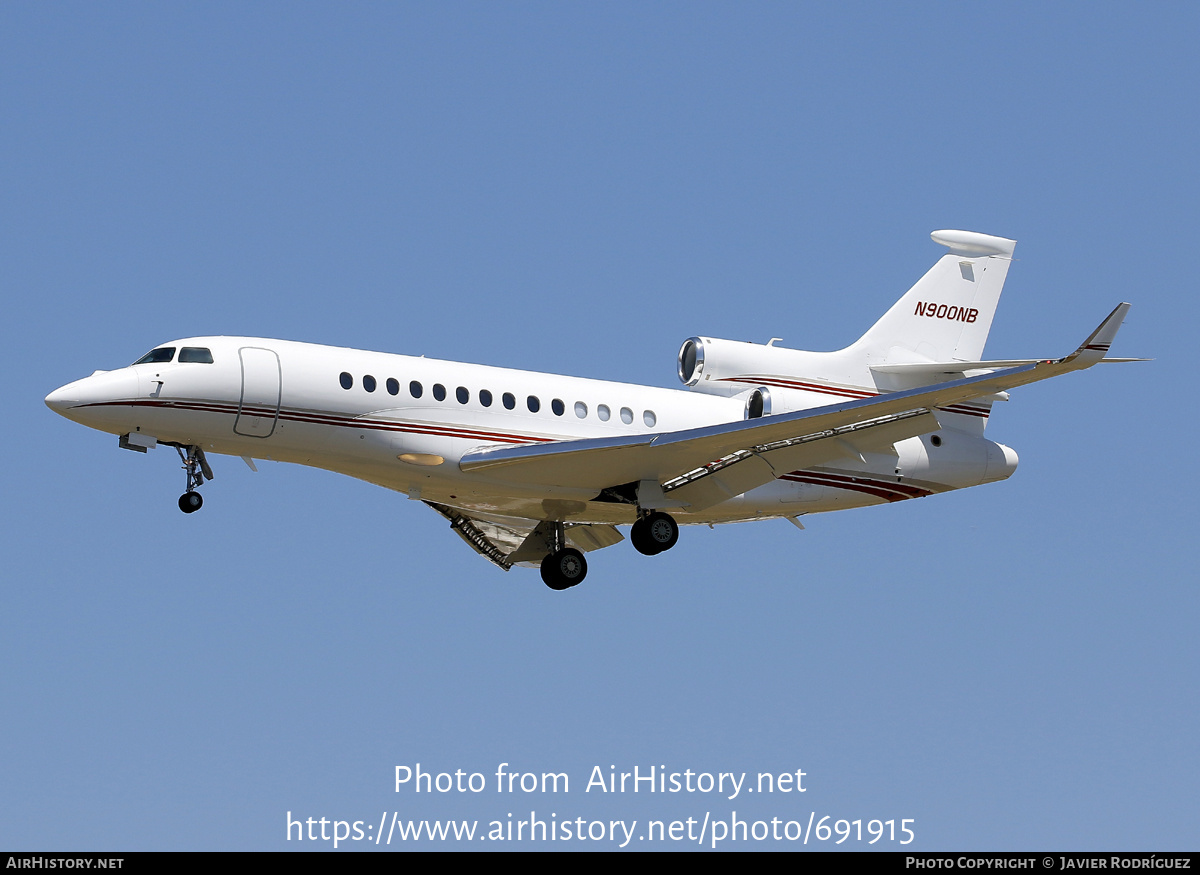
537	469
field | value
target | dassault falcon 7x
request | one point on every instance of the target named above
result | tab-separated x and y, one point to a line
536	469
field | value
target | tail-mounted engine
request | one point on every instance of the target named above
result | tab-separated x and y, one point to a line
773	379
735	368
725	367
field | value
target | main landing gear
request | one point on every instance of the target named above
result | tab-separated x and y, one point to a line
564	567
198	471
654	532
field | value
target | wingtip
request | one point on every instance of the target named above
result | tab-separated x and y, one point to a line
1099	341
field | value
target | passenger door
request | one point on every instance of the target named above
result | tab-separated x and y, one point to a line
258	410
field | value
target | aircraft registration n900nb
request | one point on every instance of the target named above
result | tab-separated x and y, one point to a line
536	469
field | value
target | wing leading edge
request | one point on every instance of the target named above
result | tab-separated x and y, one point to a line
761	447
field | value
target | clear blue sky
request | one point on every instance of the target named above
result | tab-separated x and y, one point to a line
577	188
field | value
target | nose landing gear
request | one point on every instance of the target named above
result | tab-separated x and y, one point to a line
197	469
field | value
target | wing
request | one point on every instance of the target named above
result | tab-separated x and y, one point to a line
736	456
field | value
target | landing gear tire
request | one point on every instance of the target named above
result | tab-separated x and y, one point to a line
196	467
640	538
654	534
564	569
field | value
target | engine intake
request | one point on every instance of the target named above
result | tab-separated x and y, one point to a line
725	367
691	361
758	404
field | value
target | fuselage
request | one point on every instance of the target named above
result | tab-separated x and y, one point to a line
404	422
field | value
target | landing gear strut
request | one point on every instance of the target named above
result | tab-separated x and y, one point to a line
564	567
196	467
654	533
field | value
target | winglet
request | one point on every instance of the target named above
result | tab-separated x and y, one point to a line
1093	349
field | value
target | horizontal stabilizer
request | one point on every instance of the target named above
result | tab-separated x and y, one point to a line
1098	342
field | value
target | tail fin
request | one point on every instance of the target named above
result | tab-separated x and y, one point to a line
947	315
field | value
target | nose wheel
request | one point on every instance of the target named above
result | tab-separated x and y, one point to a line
197	470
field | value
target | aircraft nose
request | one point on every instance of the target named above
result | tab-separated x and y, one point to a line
87	399
60	399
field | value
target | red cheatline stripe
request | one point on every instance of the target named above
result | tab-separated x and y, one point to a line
413	428
969	411
878	488
907	488
805	387
847	393
337	421
852	487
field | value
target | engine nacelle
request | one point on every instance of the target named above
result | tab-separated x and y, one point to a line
736	368
705	363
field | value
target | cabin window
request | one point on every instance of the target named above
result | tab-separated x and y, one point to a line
603	412
196	355
369	383
558	407
439	391
533	404
462	395
157	356
393	386
510	400
346	380
581	410
485	397
626	416
649	418
414	389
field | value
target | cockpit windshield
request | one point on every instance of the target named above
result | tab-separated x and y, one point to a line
164	354
157	356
